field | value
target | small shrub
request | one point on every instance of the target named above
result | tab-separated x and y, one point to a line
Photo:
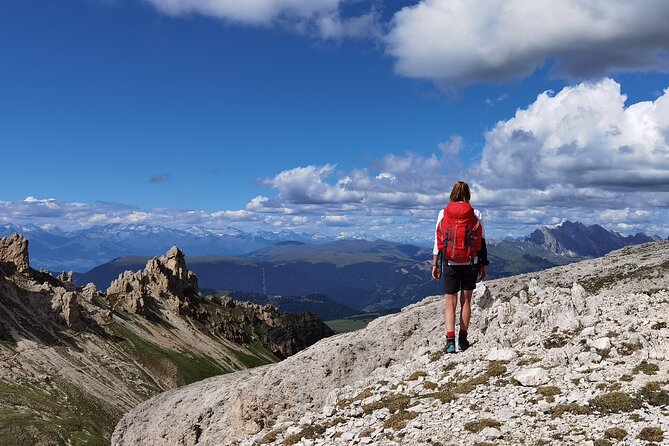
496	368
478	425
335	421
647	368
366	432
651	434
529	360
444	396
429	385
654	394
614	387
450	366
615	402
572	408
616	433
399	420
310	432
659	325
549	392
626	378
363	395
270	437
417	374
636	417
393	403
436	356
602	442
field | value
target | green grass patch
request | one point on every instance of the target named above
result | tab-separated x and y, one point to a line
59	414
250	360
351	323
178	368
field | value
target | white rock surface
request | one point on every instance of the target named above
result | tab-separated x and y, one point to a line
535	376
554	322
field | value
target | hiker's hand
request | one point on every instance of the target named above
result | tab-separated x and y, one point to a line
483	272
436	272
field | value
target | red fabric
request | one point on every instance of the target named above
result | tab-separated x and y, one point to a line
450	334
459	235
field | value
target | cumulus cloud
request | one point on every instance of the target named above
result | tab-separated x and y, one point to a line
582	142
463	42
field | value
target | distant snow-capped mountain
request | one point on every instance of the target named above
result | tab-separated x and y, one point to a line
82	249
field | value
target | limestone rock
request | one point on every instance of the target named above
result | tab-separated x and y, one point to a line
65	277
14	252
65	308
165	280
547	318
535	376
501	354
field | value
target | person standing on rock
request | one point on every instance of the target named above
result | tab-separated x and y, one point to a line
460	253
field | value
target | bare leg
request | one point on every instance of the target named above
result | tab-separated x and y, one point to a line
451	302
465	309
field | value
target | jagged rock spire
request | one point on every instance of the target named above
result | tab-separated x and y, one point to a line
14	250
165	279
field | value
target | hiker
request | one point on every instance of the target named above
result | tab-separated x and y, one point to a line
460	254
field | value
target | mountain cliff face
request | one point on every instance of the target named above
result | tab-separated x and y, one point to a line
576	239
571	355
73	359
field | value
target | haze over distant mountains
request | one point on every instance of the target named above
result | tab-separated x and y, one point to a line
370	275
81	250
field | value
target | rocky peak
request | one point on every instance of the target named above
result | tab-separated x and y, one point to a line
14	251
165	280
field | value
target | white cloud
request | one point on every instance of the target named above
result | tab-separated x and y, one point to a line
467	41
579	154
312	17
582	143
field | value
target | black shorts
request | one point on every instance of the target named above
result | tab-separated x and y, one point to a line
460	277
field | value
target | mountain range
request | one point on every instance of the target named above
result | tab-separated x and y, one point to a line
74	359
368	275
55	249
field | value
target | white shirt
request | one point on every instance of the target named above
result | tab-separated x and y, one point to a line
435	249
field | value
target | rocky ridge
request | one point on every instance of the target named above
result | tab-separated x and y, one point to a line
73	359
571	355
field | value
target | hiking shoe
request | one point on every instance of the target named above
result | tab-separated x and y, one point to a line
450	346
463	343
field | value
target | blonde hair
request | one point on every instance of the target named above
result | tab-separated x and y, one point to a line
460	192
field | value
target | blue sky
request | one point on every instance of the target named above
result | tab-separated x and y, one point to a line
337	116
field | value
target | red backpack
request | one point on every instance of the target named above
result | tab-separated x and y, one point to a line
459	234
